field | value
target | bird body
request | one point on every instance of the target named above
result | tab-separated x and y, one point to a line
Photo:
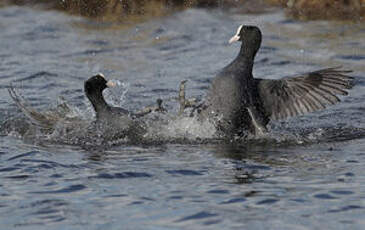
226	102
239	103
233	92
113	122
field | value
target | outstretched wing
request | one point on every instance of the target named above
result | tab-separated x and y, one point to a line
35	117
292	96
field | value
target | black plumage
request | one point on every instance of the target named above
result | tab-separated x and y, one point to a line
112	123
237	102
94	88
292	96
115	122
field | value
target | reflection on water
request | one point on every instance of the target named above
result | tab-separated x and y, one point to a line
308	173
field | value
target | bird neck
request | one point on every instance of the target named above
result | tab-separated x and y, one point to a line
244	61
98	103
246	56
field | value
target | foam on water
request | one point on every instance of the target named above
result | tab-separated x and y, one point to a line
180	127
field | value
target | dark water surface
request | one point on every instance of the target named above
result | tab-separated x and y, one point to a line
311	177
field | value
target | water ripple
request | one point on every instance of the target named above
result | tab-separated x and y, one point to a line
184	172
36	75
27	154
218	191
325	196
346	208
90	52
234	200
351	57
50	164
342	192
123	175
197	216
267	201
18	177
69	189
9	169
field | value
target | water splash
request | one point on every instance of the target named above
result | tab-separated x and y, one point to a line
116	96
75	126
172	127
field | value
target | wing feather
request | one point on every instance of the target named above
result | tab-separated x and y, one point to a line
35	117
292	96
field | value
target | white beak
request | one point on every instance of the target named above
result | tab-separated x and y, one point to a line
111	84
234	39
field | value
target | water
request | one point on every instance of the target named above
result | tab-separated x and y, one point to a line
310	177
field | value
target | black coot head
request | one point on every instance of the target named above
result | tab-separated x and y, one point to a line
94	87
96	84
250	36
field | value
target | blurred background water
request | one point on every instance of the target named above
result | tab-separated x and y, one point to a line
285	185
